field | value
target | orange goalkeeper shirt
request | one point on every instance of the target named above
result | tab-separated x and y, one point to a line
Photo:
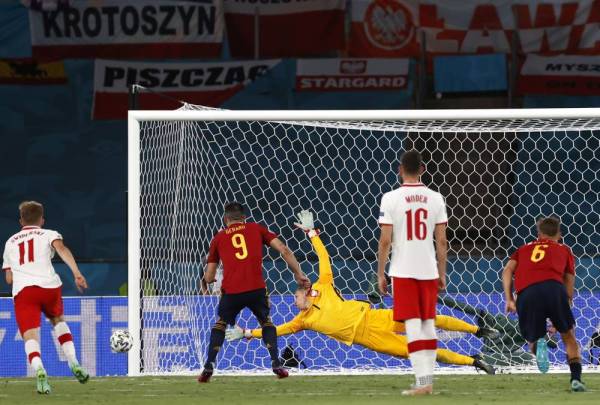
329	314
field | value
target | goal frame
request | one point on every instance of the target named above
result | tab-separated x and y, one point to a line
135	117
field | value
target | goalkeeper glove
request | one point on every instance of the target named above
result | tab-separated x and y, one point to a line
306	223
237	333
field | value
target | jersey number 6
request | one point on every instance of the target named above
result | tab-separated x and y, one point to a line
239	242
538	253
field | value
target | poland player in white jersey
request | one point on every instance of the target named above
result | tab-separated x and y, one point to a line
36	288
412	217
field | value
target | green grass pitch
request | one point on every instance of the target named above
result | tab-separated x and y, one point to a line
533	389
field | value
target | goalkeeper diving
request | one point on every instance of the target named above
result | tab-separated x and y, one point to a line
324	310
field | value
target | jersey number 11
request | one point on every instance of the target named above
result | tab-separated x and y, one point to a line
30	255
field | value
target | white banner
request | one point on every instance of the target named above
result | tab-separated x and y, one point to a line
199	83
351	74
114	28
561	74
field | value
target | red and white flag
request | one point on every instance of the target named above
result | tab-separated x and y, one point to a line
121	29
562	74
396	27
286	28
351	74
384	28
208	84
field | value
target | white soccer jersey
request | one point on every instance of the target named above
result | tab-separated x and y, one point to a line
413	210
28	254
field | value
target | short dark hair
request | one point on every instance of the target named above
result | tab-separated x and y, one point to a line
234	211
411	162
31	212
549	226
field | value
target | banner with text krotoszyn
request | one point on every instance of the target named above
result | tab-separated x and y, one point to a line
120	29
208	84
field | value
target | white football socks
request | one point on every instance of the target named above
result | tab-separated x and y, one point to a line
421	333
32	348
64	337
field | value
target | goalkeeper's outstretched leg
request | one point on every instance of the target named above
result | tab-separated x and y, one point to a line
378	334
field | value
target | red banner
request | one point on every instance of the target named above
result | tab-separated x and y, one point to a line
564	74
291	28
140	29
397	27
208	84
351	74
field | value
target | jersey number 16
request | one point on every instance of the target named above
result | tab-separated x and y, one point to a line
416	227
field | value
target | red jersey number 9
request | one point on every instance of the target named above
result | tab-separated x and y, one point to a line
239	242
538	253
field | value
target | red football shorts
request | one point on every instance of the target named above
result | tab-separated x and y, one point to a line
31	301
414	298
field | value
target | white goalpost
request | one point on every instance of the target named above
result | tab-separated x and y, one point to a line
499	170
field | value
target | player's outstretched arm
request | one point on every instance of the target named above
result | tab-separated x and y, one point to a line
65	254
569	282
383	255
307	224
289	257
441	250
235	333
6	267
507	284
210	275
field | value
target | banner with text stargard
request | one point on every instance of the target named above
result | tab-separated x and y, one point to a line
119	29
351	74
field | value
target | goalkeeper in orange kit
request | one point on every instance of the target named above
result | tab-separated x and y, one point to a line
324	310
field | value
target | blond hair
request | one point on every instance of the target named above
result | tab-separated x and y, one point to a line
31	212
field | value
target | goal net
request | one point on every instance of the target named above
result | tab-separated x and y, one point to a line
499	172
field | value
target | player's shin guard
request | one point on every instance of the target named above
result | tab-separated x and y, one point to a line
217	337
64	337
428	333
32	348
422	349
575	366
269	333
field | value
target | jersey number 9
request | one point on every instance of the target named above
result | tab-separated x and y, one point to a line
239	242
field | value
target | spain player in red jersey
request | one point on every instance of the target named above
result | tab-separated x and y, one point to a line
544	278
36	288
240	248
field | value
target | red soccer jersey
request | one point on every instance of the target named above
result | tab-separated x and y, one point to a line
240	248
542	260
